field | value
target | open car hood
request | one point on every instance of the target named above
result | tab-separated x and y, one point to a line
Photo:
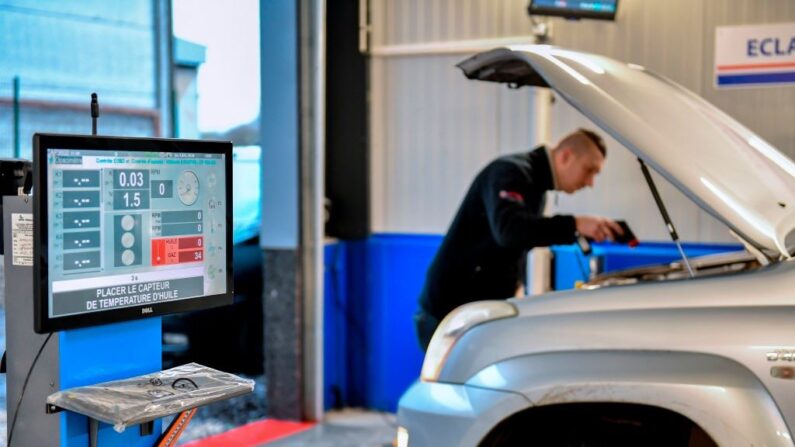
725	168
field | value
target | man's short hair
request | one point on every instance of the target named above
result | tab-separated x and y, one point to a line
596	139
579	141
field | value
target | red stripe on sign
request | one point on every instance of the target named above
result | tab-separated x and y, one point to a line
756	66
253	434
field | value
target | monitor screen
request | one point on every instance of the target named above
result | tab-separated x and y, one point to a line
129	227
575	9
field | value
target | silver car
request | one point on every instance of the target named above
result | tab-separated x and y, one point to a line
700	353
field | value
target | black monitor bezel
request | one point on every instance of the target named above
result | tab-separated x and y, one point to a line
41	142
571	13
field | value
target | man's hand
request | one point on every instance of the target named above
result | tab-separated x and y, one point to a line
598	228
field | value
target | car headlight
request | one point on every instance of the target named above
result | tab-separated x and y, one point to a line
402	439
454	325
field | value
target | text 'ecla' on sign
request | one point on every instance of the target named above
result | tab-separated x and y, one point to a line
770	46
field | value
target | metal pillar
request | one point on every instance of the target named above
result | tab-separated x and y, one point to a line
164	68
292	138
313	130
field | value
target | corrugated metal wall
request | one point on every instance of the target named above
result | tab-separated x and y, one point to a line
431	130
64	51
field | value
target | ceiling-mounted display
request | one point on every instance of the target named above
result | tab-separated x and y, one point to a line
575	9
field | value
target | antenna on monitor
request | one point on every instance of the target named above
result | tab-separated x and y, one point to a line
94	113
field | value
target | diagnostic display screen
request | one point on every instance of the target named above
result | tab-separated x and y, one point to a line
575	9
131	228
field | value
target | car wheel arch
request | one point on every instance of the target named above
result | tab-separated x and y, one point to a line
618	424
715	393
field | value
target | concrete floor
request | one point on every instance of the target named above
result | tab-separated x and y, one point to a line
343	428
346	428
226	415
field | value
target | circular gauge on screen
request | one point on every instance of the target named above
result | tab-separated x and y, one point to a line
127	240
127	222
188	187
127	257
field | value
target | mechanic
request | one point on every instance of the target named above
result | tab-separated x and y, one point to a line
501	219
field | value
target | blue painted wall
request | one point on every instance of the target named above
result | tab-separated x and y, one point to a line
572	266
336	326
395	272
371	288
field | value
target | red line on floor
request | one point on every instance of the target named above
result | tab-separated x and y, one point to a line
253	434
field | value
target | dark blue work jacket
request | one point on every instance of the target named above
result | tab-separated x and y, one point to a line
482	256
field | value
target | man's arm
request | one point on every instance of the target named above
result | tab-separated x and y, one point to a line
511	224
598	228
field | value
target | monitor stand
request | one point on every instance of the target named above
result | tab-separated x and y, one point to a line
70	358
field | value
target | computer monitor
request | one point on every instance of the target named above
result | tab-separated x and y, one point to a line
575	9
127	228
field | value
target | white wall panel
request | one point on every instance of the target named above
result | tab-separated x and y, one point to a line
431	130
515	120
399	22
429	144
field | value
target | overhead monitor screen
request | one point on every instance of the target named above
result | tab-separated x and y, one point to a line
575	9
129	228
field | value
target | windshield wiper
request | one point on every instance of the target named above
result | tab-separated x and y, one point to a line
668	223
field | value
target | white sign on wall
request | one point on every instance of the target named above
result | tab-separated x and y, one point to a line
755	55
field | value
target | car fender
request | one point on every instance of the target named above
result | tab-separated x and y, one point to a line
720	395
454	415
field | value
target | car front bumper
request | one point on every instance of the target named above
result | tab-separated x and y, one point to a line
443	414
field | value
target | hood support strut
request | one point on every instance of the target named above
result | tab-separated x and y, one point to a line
664	212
